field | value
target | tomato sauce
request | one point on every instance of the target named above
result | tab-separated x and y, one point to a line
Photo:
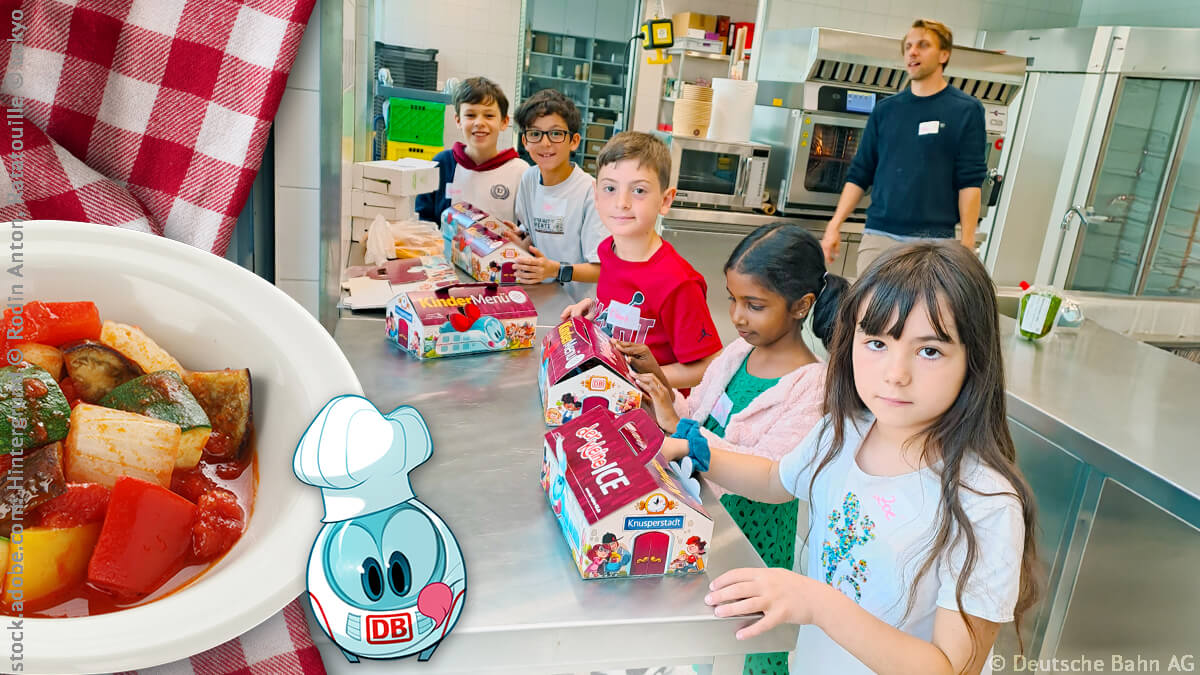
87	600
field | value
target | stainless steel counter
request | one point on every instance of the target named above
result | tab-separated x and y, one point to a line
527	609
1106	432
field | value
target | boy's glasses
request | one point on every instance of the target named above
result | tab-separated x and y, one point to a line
535	135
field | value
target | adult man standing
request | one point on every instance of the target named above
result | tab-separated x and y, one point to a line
923	153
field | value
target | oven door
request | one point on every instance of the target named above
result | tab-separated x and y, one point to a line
710	173
825	145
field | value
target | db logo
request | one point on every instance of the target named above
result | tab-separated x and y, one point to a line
385	629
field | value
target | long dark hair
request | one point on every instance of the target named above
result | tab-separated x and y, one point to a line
944	276
787	260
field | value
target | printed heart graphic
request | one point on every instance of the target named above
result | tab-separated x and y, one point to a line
463	321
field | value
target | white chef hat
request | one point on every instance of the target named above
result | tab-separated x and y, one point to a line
360	458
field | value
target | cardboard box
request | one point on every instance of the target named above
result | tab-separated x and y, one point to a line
375	286
685	20
596	131
461	319
541	43
580	370
474	243
621	508
405	177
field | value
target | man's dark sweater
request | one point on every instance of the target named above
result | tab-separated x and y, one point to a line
916	153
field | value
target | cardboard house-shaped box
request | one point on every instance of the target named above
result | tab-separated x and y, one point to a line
461	319
474	243
580	370
621	508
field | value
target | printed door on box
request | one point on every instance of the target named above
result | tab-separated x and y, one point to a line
650	553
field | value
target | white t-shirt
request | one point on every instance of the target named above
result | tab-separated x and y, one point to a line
561	220
869	535
493	190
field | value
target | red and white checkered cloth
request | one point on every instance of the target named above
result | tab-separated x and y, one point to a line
279	646
169	102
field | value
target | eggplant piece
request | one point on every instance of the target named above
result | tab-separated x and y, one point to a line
225	397
96	369
37	478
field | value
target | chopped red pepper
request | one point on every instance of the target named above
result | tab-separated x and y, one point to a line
81	504
146	533
53	323
68	389
218	526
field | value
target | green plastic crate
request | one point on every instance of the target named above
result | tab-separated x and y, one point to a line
420	122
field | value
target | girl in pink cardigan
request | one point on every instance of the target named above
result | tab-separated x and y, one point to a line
764	391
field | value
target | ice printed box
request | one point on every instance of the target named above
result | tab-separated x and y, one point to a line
621	509
581	370
474	243
461	319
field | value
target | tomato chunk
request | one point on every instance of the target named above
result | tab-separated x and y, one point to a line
218	526
70	391
146	533
81	504
54	323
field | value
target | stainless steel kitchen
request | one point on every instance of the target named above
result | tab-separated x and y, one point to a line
498	228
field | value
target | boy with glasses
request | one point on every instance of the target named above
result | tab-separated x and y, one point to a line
556	200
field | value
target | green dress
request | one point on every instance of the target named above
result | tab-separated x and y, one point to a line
770	528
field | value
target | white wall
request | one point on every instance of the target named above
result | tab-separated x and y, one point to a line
965	17
473	37
1175	13
297	175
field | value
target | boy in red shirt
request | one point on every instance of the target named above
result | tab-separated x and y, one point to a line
647	292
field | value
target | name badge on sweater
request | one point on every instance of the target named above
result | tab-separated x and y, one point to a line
930	127
721	410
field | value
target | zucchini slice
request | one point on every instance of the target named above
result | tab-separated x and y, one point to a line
163	396
225	397
97	369
132	342
33	410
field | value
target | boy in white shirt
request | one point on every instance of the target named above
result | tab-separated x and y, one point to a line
556	199
477	171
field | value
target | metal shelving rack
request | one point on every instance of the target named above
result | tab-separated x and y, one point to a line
556	66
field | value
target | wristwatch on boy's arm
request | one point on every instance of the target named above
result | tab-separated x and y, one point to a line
566	272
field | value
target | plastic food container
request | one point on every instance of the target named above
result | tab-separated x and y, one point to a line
1037	312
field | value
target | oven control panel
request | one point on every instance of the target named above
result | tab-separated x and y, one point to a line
847	100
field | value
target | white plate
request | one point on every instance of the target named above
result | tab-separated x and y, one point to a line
209	314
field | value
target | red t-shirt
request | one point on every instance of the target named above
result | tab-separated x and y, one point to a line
672	296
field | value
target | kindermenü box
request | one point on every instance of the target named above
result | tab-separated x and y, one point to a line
461	319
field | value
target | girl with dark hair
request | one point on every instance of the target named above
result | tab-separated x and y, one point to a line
763	392
921	527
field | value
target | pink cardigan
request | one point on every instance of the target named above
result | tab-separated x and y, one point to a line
774	423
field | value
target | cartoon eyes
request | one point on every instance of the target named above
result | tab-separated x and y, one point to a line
399	576
399	573
372	579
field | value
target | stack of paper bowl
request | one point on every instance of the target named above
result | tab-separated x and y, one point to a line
693	111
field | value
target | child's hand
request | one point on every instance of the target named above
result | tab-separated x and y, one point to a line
781	595
662	397
535	268
584	308
674	449
639	357
511	232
